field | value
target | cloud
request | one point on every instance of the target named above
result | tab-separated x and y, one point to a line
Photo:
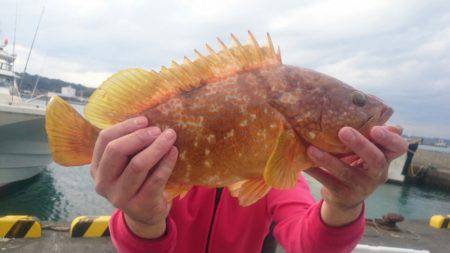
58	68
397	50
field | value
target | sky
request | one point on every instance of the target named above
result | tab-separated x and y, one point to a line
396	50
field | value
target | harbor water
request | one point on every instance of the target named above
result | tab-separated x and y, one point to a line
435	148
61	193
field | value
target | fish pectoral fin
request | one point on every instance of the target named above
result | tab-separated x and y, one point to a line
285	162
249	191
173	191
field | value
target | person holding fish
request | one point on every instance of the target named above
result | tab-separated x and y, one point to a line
206	155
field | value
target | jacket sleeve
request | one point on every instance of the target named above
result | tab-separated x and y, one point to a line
125	240
299	226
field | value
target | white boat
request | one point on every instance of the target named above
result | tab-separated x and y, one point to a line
24	151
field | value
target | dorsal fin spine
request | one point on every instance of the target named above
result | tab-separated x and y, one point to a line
244	56
192	68
225	49
279	53
185	75
235	41
270	44
255	46
210	49
231	57
205	65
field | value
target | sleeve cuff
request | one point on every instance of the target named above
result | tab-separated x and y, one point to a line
356	225
126	241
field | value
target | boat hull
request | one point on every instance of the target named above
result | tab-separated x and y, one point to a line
395	170
24	150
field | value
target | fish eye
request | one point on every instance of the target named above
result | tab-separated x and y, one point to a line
359	98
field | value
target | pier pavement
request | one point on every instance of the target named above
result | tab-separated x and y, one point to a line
414	234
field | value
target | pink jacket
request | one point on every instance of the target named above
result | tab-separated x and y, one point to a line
197	224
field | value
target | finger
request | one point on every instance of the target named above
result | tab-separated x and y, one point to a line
366	150
118	151
109	134
139	167
155	184
392	143
325	178
333	165
395	129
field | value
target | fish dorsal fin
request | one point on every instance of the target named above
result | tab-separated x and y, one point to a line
129	92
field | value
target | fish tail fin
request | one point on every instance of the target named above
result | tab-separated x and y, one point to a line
71	138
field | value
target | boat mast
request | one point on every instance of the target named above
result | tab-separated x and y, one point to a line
32	45
14	86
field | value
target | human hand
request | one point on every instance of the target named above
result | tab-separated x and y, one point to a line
130	167
348	181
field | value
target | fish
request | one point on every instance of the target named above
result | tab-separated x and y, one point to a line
243	118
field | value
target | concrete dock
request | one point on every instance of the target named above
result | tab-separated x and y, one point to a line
56	241
423	158
430	168
414	234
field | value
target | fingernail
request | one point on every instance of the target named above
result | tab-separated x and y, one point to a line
169	134
379	133
153	131
317	153
140	121
348	135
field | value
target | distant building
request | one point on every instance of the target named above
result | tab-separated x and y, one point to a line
68	91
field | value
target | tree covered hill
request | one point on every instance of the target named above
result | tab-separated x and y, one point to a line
45	85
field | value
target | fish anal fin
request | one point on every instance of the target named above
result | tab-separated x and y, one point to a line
249	191
235	188
130	92
286	160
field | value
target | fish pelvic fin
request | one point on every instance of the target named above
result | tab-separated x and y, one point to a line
132	91
172	191
249	191
71	138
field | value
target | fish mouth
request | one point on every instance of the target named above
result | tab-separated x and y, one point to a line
377	119
385	114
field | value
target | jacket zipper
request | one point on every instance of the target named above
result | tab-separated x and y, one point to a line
216	203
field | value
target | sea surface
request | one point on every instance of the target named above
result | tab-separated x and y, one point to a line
434	148
61	193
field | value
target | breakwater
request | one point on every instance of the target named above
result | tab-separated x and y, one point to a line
424	158
430	167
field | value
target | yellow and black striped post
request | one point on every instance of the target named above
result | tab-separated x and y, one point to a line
440	221
19	226
88	226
